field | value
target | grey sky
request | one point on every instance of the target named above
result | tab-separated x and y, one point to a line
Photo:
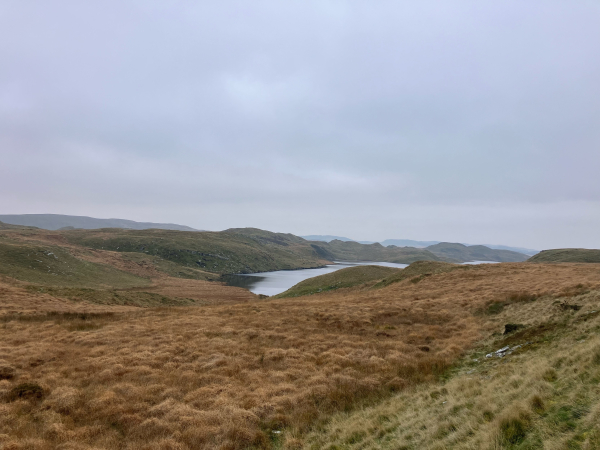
466	121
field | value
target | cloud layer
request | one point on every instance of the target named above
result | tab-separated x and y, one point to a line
456	120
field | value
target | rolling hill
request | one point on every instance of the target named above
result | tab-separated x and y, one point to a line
344	278
58	221
577	255
462	253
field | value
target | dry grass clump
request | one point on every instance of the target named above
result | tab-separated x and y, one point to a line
232	376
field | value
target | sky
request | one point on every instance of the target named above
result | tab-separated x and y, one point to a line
450	120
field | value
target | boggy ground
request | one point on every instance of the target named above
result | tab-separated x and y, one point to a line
233	376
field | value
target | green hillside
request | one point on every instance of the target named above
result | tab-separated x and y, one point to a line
353	251
8	226
461	253
378	276
239	250
576	255
52	265
419	270
351	276
218	252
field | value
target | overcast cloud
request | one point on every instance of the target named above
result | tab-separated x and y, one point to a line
469	121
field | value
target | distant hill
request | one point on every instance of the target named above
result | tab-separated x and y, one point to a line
58	221
344	278
353	251
7	226
415	244
462	253
525	251
579	255
408	243
325	238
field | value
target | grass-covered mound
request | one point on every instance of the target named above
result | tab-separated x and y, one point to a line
344	278
52	265
419	270
455	252
576	255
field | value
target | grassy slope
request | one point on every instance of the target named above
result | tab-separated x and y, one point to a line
224	252
64	275
344	278
462	253
579	255
234	376
376	276
52	265
544	395
7	226
353	251
418	271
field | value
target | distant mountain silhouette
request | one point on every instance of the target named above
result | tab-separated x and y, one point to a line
325	238
58	221
460	252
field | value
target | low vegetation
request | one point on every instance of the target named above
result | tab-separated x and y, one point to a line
270	373
575	255
107	340
541	394
54	265
461	253
344	278
419	270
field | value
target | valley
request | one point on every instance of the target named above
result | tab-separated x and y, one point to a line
120	339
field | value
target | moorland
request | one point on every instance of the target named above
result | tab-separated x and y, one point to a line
126	339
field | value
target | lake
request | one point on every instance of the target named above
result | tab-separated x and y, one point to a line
273	283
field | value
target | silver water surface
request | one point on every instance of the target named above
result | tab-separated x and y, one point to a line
273	283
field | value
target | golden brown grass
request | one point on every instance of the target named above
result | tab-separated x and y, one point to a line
228	376
544	395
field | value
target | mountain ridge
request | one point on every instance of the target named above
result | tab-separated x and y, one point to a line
57	221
